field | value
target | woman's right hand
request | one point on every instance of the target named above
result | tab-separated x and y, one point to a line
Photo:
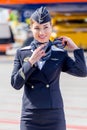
37	54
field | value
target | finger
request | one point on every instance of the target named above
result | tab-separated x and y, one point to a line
41	47
61	37
64	41
42	52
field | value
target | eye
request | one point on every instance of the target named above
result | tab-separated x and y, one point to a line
45	27
36	28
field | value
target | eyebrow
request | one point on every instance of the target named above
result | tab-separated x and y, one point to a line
45	25
38	25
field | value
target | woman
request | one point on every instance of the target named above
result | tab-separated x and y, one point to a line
38	68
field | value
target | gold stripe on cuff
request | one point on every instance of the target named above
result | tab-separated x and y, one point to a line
22	74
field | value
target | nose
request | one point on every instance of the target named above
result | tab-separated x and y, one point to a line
41	32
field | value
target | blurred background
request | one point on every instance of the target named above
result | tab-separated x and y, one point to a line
69	18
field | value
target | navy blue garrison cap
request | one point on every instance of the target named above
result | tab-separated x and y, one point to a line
41	15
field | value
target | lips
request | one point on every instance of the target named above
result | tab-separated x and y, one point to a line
42	37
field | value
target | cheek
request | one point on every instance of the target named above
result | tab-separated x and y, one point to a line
49	32
34	33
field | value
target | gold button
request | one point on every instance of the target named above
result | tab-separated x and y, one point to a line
32	86
47	86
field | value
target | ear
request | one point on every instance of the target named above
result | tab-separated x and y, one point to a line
51	25
51	28
31	27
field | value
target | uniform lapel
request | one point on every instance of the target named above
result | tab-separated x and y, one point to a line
50	66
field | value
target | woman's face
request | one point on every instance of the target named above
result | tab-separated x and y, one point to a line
41	32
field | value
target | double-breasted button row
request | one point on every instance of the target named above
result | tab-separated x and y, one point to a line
47	86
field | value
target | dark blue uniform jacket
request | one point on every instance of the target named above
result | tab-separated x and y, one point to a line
41	87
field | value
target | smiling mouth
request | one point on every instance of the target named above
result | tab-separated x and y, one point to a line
42	37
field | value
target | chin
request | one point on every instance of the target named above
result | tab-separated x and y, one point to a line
43	41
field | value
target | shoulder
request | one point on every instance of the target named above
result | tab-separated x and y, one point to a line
24	52
25	48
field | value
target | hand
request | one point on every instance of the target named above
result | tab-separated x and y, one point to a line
37	54
69	42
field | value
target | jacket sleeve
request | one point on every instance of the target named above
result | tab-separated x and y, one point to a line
20	73
76	66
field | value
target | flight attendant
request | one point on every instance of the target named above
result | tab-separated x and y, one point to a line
37	69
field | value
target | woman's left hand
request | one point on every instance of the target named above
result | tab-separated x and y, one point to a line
69	43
